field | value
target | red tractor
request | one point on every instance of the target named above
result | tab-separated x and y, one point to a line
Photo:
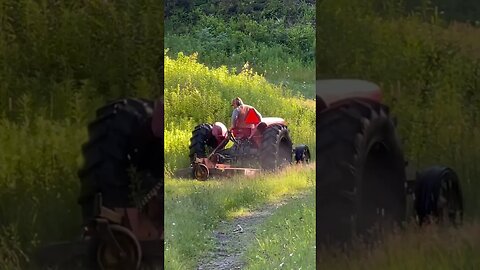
361	173
121	191
258	143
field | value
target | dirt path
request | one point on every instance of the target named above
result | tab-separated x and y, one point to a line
233	238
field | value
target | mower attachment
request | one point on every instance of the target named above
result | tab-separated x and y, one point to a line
203	168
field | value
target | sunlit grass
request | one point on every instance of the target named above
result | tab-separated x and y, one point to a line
193	209
286	240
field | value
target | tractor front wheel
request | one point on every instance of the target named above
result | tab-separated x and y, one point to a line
438	196
302	154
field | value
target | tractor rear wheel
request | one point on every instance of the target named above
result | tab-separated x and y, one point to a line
360	172
201	139
120	139
276	148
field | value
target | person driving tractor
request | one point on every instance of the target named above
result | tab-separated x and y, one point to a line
244	118
236	103
239	113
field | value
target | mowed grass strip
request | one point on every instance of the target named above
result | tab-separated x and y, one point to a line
193	209
286	240
416	248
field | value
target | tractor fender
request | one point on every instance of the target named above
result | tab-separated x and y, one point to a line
219	131
333	91
269	121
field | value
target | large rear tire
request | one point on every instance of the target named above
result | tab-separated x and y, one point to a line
360	172
276	148
120	138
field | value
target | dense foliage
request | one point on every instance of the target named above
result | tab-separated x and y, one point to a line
59	56
276	38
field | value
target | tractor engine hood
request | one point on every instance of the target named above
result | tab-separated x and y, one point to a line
333	90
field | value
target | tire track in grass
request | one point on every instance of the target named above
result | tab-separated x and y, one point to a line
233	237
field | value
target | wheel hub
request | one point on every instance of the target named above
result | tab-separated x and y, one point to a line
200	172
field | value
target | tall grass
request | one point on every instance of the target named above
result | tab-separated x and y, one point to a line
38	185
418	248
428	70
195	94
